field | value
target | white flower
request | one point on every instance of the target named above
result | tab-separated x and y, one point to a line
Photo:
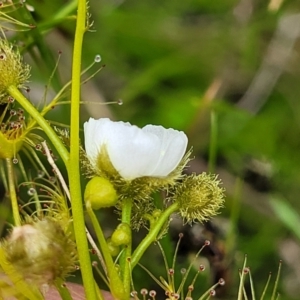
135	152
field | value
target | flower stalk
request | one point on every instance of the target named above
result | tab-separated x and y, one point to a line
115	283
152	234
126	255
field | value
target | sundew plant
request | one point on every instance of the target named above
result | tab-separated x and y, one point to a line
55	227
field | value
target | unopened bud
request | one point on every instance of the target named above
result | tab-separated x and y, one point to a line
41	252
199	197
122	235
114	250
99	193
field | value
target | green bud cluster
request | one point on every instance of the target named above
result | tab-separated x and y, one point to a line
13	72
120	237
199	197
41	251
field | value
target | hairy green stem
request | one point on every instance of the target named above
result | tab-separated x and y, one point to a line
152	234
73	167
124	263
12	192
33	112
116	285
63	290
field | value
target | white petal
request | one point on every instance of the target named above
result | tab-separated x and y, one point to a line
131	151
134	152
172	148
93	138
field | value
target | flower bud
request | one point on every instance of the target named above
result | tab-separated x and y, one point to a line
122	235
99	192
114	250
13	71
199	197
41	252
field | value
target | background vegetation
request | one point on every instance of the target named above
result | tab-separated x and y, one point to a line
227	73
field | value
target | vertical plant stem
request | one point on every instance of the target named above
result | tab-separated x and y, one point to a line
242	280
276	282
73	167
124	263
63	290
12	192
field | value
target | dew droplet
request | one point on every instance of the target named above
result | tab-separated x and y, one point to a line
171	272
221	281
152	293
120	102
144	292
15	161
31	191
201	268
94	263
97	58
38	147
12	112
20	112
11	99
207	243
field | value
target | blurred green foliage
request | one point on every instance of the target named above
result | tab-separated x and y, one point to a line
173	63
